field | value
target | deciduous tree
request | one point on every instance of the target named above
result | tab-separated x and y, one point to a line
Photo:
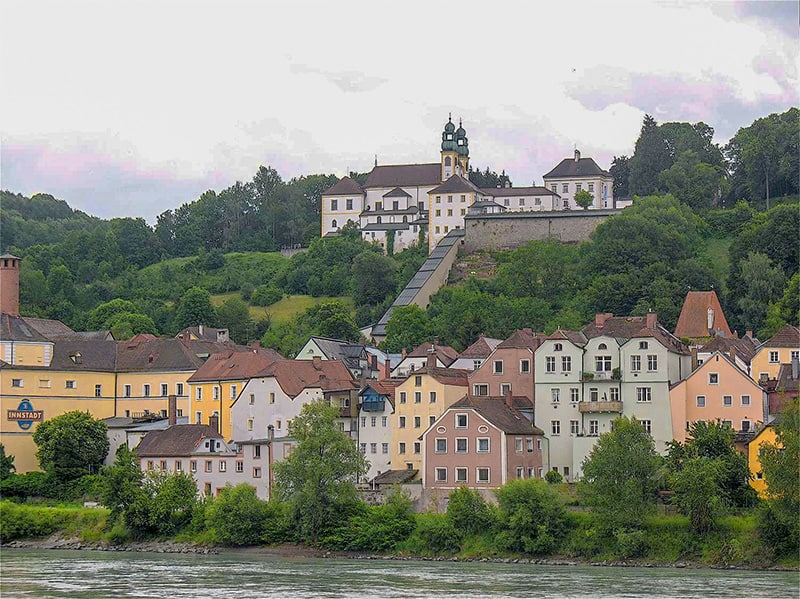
71	445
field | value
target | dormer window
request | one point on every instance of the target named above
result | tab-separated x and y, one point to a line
602	346
643	345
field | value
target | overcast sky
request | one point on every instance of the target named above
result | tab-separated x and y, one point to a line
133	108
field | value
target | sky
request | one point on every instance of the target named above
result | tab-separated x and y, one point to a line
133	108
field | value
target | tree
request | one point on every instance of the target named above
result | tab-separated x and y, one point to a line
785	310
408	326
532	516
71	445
468	511
332	319
650	157
621	171
764	284
373	278
120	482
697	491
164	504
779	464
584	199
195	308
237	516
125	325
693	182
99	317
317	479
619	476
6	463
234	315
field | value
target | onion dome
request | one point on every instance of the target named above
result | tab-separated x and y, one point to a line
448	136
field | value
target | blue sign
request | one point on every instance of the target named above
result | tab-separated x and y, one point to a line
25	415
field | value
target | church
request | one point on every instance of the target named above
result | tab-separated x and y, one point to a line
400	205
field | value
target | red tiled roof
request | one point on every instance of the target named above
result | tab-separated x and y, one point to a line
295	375
230	366
481	348
446	376
496	411
788	336
179	440
522	338
693	320
344	186
443	352
404	175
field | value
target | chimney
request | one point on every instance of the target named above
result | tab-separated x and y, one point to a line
388	368
403	352
435	342
213	422
256	345
172	412
316	361
270	432
200	330
733	355
577	155
694	358
9	284
749	333
431	363
600	319
652	319
507	398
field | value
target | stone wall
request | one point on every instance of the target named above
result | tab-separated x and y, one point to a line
511	230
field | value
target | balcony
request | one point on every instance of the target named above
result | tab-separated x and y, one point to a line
596	407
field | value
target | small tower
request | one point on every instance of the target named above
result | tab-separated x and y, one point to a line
449	153
462	149
9	284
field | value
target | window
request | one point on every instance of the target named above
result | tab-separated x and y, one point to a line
613	394
483	445
461	445
431	419
566	471
164	389
594	428
701	401
594	394
179	389
505	388
44	383
652	362
178	466
126	390
402	423
163	466
524	366
577	187
417	421
98	390
402	397
71	385
146	390
257	472
193	465
636	363
438	212
215	393
373	448
554	187
418	381
461	475
573	427
417	396
441	475
438	199
644	394
272	398
745	400
520	472
239	466
522	201
384	448
647	426
223	466
363	421
441	445
643	345
480	389
149	464
498	367
449	212
449	199
433	396
364	448
557	347
198	394
384	421
373	421
555	395
602	364
278	424
334	205
348	204
713	378
745	426
566	363
550	364
463	198
727	401
417	447
574	394
402	448
564	187
257	452
555	427
252	399
233	391
774	357
209	465
518	445
198	417
794	355
249	424
461	421
728	423
591	187
483	475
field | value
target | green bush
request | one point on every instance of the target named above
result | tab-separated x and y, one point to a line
532	517
378	528
237	516
23	486
469	513
163	505
553	477
266	295
630	543
434	534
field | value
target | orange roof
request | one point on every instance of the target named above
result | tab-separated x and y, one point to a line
698	308
231	366
295	375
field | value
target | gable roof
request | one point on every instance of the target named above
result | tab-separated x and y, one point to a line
48	327
178	440
576	337
456	184
446	354
404	175
494	409
522	338
481	348
344	186
446	376
630	327
569	167
744	348
693	320
295	375
144	353
712	362
500	192
397	192
231	366
14	328
787	336
82	355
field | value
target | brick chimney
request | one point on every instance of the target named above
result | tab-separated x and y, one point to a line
172	412
694	358
507	398
600	319
316	361
213	422
9	284
652	319
431	362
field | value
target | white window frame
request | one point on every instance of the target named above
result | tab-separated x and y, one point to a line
483	470
478	445
462	441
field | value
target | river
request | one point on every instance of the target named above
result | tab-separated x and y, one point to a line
50	574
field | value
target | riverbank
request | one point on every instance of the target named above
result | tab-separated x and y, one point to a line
294	551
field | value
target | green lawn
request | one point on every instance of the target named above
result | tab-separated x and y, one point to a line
284	310
717	252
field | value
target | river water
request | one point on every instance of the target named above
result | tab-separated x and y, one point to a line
87	574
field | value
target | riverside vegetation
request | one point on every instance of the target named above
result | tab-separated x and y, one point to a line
707	513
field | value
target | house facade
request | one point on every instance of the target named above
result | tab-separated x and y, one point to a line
481	443
375	419
572	175
509	368
781	348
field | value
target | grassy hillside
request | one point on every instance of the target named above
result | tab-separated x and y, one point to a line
284	310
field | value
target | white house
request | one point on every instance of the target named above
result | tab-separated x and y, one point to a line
572	175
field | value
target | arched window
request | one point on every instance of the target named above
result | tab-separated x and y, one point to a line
447	161
602	346
405	218
379	220
335	224
557	347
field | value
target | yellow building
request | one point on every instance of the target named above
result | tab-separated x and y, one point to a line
419	401
781	348
766	436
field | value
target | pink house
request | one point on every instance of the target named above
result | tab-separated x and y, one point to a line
482	443
509	368
717	390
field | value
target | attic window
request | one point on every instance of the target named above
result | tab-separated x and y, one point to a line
602	346
557	347
76	358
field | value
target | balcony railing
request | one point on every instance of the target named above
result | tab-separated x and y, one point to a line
593	407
